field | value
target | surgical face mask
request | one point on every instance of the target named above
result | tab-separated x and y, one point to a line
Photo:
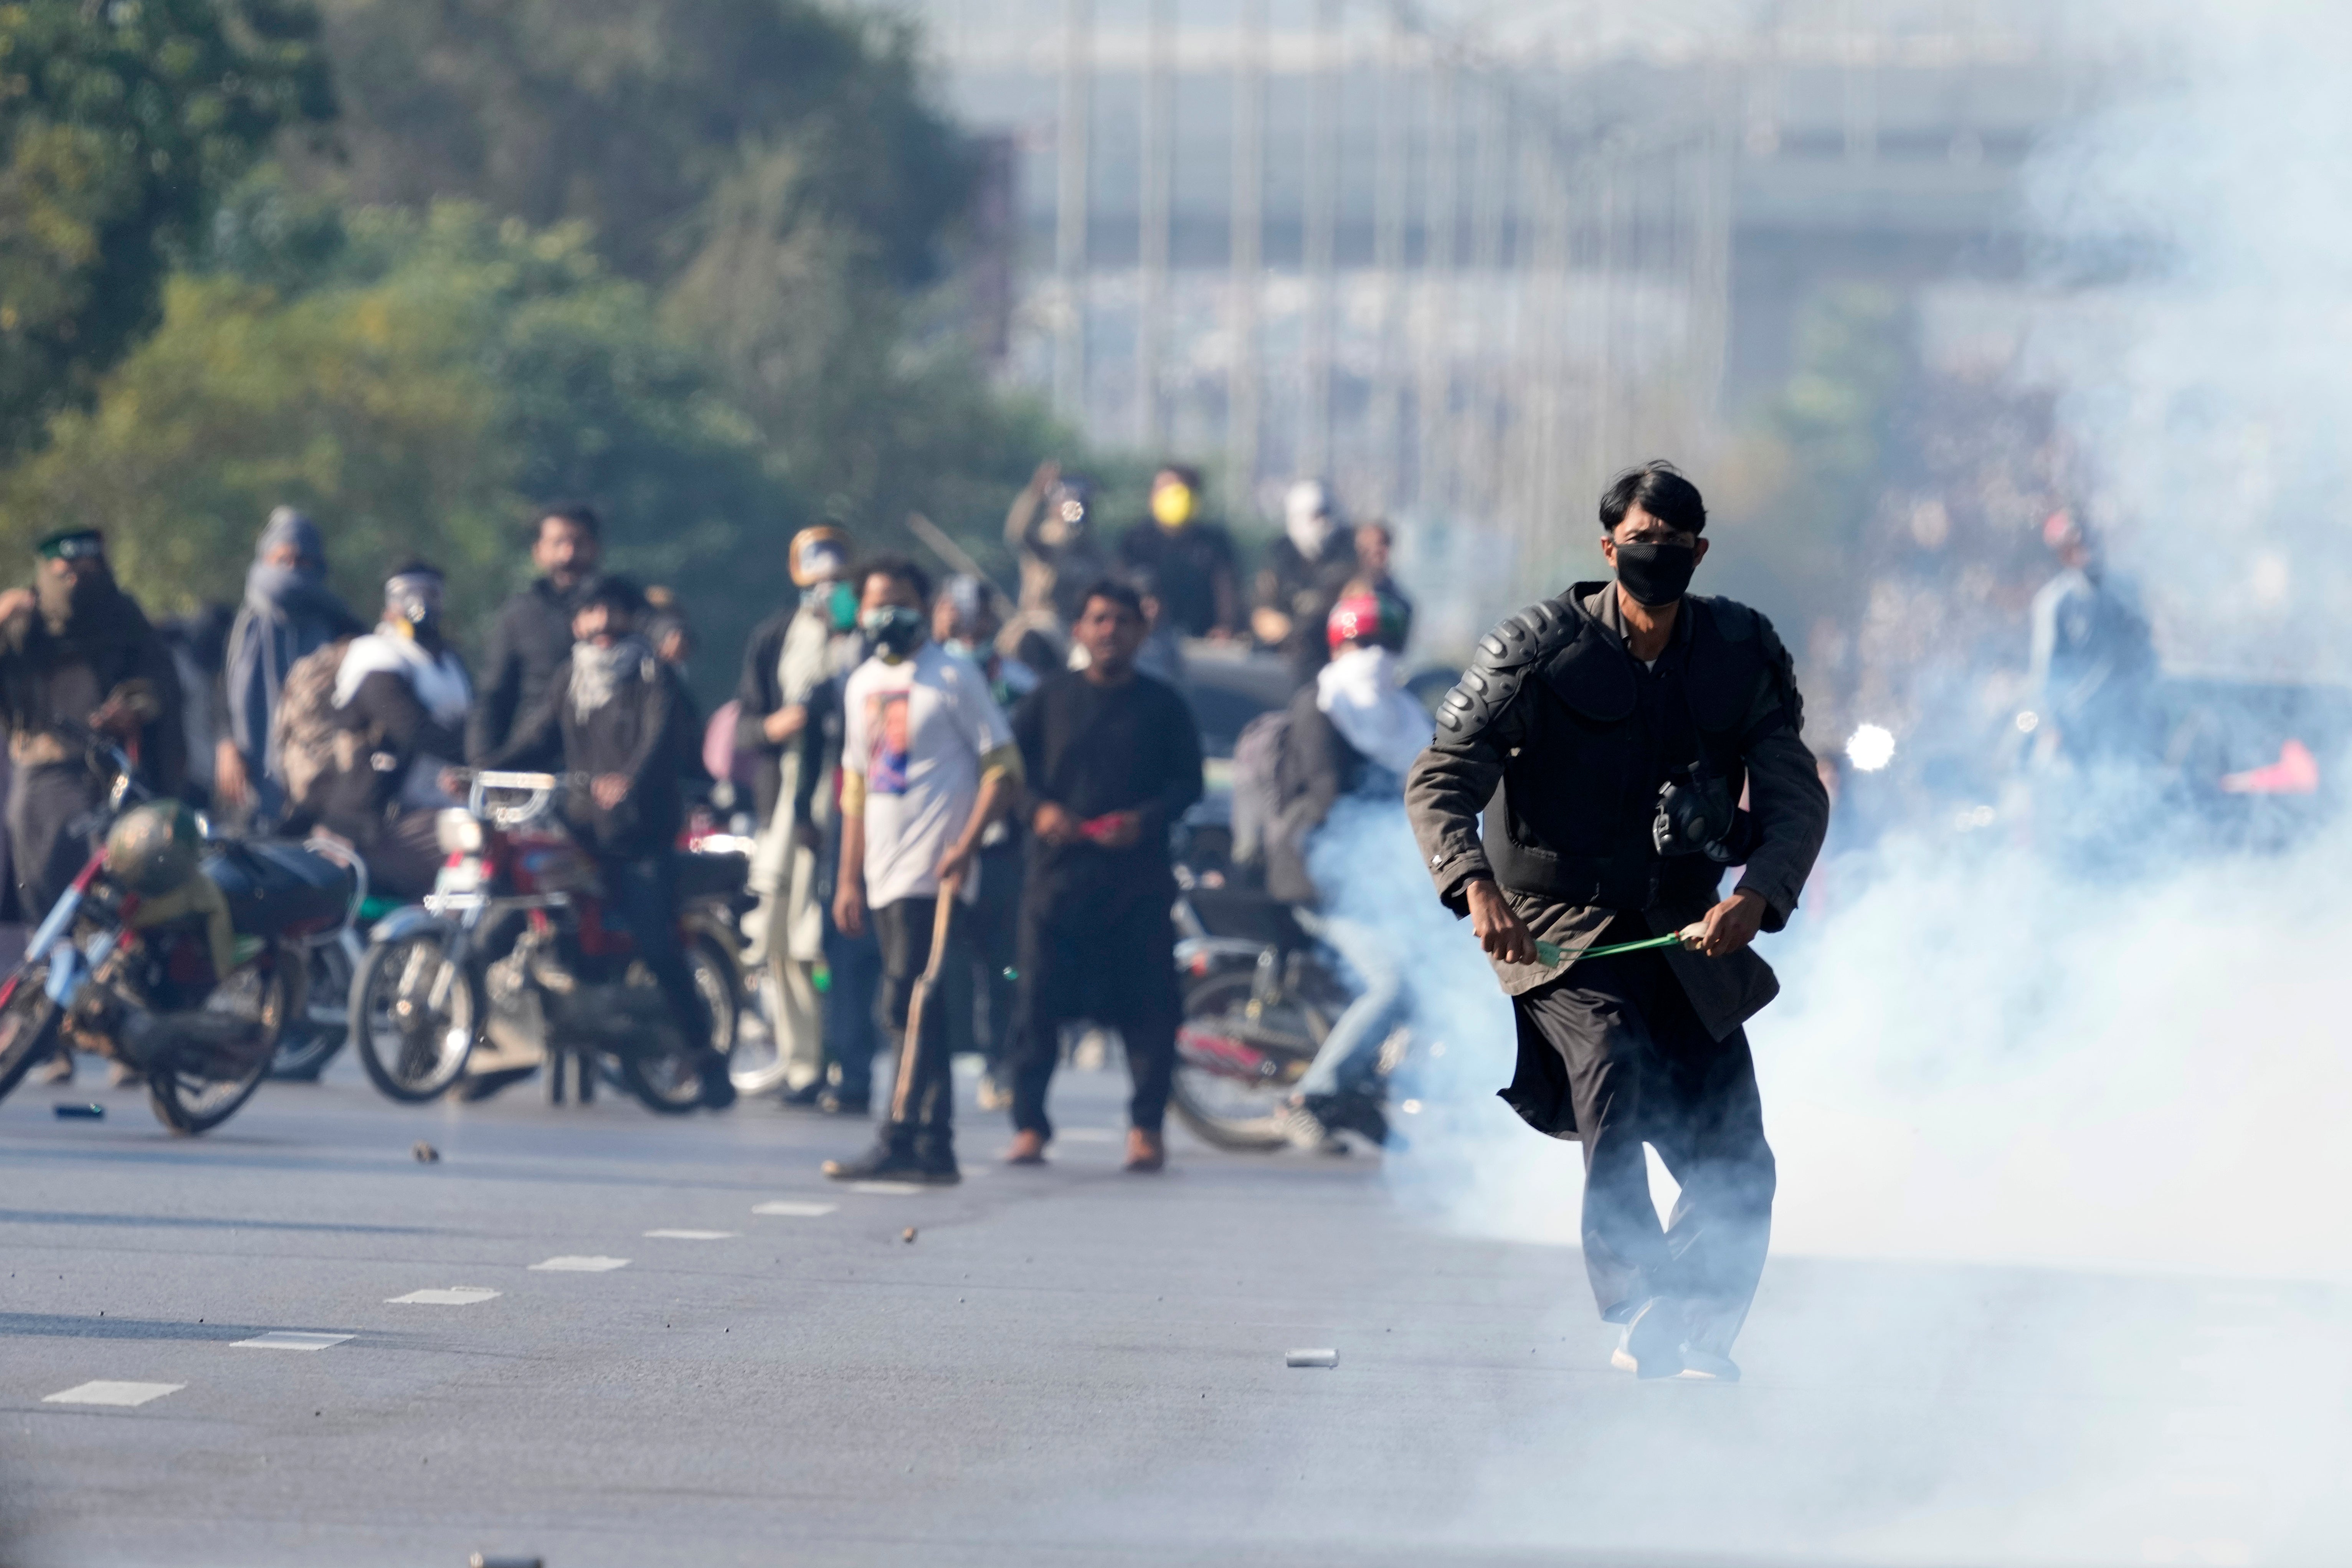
1656	574
1171	505
961	648
896	630
837	600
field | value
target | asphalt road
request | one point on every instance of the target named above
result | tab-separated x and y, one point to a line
1068	1366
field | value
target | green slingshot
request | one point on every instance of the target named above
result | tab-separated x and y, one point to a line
1549	953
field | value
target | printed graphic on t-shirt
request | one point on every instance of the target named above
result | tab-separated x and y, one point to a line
886	763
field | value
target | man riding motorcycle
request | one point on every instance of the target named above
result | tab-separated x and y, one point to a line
400	703
621	717
1352	734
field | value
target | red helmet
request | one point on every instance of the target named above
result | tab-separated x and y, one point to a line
1367	615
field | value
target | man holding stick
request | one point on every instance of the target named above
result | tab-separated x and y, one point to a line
1614	730
926	763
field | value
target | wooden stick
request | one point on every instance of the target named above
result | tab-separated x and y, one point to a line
919	1003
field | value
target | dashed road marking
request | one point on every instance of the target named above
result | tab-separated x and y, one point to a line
290	1340
793	1208
888	1189
690	1235
580	1265
106	1393
451	1295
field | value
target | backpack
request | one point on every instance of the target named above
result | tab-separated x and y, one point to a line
304	730
1258	753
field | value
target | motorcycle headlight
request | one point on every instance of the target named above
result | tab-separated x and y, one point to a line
460	832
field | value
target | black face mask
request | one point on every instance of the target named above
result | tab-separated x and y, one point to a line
1656	574
894	630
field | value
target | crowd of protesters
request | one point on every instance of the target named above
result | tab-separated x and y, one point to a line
949	789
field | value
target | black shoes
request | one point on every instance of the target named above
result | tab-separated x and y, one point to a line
718	1087
805	1097
1652	1342
1365	1115
890	1161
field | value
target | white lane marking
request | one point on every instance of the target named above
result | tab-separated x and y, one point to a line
1086	1135
290	1340
105	1393
793	1208
453	1296
581	1264
888	1189
691	1234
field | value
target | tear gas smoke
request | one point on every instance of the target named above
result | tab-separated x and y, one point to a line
2119	1053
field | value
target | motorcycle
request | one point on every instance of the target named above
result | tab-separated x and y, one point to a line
511	951
1260	997
101	974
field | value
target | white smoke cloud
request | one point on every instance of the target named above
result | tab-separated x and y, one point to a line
1988	1058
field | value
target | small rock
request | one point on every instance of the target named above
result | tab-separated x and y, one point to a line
426	1154
906	1235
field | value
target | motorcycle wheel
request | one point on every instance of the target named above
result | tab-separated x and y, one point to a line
411	1050
28	1025
189	1103
668	1078
1227	1111
323	1022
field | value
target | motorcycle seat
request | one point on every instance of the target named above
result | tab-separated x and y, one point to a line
1247	915
277	889
702	876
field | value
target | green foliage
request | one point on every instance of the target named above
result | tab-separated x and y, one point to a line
444	376
771	168
675	257
625	114
120	123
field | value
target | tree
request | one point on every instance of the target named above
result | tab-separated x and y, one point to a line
625	114
440	377
120	124
771	168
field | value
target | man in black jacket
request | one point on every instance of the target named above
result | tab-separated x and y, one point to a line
615	712
1614	729
533	633
1112	759
77	657
1190	559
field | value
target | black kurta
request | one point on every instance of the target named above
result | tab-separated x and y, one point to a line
1096	940
1093	749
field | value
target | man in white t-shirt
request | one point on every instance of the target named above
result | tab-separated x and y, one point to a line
926	763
